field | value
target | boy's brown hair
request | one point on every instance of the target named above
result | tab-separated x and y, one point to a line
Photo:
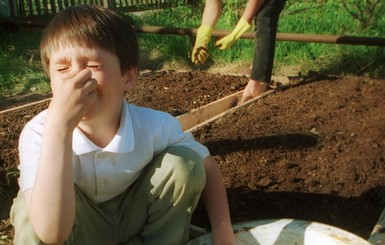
91	26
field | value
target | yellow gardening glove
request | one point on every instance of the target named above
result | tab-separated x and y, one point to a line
227	41
200	53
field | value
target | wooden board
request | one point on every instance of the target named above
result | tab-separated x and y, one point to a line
201	114
224	112
207	113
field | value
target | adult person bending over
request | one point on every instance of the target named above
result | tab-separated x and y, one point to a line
266	15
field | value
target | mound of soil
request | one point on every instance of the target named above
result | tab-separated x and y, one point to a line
315	151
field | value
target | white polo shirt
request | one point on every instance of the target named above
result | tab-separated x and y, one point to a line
103	173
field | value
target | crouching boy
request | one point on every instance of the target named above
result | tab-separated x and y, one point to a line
97	170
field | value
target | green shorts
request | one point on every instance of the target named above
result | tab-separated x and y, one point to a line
155	209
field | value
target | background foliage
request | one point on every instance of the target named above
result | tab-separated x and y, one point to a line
329	17
20	70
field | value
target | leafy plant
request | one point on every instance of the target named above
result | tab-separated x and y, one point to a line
367	12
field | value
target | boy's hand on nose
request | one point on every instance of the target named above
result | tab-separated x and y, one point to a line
74	96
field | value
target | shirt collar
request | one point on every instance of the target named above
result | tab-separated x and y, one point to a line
122	142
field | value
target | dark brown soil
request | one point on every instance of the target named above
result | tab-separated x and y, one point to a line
315	151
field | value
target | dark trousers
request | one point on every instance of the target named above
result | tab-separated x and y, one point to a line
266	23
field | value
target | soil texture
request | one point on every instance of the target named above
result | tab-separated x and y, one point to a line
312	150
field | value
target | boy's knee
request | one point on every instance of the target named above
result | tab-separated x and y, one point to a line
187	165
183	168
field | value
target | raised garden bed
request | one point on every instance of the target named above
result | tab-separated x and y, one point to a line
315	151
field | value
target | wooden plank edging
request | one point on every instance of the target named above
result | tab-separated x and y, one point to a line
24	106
227	111
197	116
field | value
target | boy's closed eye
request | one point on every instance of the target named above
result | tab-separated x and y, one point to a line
62	68
92	66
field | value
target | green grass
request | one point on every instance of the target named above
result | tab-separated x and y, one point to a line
306	17
330	18
20	70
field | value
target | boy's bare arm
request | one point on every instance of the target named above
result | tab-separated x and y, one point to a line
215	200
51	201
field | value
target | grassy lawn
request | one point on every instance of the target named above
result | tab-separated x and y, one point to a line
20	70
